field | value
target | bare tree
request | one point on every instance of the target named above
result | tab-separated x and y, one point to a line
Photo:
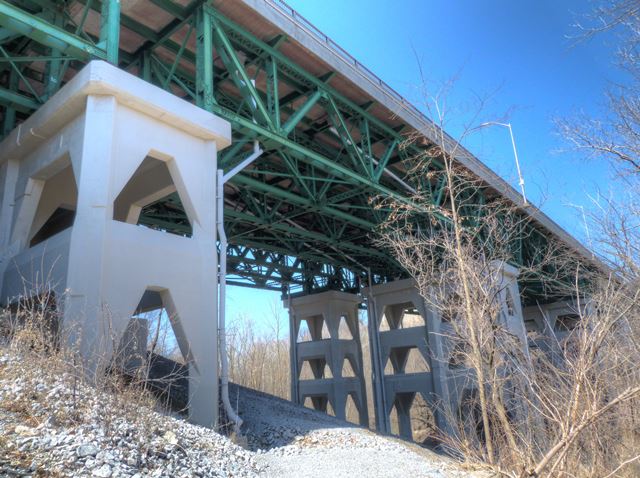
529	413
261	361
616	137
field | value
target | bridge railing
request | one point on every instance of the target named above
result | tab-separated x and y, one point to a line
304	24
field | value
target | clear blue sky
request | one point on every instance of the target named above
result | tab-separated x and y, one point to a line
521	51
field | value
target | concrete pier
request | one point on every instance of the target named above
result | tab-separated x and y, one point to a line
75	177
338	311
393	303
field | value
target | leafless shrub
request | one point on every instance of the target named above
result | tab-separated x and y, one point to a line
569	413
616	136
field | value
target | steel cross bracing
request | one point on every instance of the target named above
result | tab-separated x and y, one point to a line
302	216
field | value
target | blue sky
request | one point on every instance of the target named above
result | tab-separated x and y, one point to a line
520	53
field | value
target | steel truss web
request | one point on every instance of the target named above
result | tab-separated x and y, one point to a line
301	216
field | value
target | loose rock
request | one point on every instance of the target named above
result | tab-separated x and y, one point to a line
85	432
87	450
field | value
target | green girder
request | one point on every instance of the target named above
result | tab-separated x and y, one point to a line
17	20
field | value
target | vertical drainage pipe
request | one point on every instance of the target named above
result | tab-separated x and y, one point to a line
380	399
221	179
293	349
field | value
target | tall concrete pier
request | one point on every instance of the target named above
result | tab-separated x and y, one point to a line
81	169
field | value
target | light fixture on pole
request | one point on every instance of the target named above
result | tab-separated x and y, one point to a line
515	154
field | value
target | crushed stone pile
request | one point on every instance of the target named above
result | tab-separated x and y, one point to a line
291	440
52	425
48	428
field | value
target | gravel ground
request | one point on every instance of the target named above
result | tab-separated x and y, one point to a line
290	440
51	426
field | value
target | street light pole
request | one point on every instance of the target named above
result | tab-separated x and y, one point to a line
515	154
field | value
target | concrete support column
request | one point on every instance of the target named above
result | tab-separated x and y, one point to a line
408	324
460	378
403	404
293	354
377	366
8	180
328	309
510	302
109	138
83	314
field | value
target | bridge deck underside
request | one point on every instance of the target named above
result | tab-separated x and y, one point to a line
304	213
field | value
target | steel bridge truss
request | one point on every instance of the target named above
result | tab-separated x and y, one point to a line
302	215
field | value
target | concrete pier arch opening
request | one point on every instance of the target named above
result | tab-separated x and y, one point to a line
151	194
56	192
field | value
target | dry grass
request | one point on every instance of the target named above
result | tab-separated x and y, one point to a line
40	358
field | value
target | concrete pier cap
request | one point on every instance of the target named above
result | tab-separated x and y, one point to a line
106	137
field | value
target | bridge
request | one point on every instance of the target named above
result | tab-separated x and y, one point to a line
305	138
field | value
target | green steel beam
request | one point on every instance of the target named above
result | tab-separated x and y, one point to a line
147	33
23	23
302	176
238	73
268	261
44	4
207	69
172	8
300	232
305	253
324	163
384	160
357	159
273	97
313	83
146	65
242	179
162	74
31	59
53	68
20	102
110	29
17	71
204	60
154	39
178	57
9	119
309	78
302	111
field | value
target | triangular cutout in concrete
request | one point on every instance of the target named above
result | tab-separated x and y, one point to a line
56	209
151	198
